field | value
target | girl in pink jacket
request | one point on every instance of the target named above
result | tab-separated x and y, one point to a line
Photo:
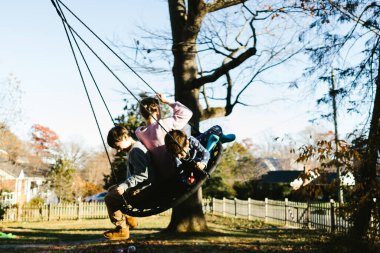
153	134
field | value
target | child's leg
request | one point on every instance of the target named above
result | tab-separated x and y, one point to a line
215	130
212	141
204	137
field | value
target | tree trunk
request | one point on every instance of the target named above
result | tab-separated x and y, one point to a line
362	217
188	216
186	18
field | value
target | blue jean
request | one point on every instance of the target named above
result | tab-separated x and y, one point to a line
203	137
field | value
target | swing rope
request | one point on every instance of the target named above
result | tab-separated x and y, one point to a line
107	67
85	87
72	32
108	47
60	13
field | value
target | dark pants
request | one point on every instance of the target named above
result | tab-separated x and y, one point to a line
203	137
114	203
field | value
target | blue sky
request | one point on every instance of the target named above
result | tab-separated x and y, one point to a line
34	48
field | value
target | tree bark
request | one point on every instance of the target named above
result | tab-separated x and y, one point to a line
186	18
362	217
188	216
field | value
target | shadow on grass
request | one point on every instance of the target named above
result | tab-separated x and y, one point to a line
172	246
42	236
225	235
54	236
260	240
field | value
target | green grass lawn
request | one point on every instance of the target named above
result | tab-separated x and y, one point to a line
225	235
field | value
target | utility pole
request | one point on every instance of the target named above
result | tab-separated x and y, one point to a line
333	93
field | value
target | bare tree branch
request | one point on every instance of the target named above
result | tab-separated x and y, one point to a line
222	4
264	68
222	70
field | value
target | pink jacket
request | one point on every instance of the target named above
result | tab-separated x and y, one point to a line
152	137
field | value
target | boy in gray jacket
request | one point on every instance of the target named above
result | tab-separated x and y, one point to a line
139	172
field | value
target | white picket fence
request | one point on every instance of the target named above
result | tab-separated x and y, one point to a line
81	210
326	216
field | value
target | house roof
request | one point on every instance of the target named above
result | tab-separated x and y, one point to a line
281	176
14	170
3	153
276	164
10	169
286	176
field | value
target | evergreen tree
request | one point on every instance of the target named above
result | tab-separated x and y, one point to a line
61	179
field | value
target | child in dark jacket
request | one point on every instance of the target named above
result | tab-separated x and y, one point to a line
191	149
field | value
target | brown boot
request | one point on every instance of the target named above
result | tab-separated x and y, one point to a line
118	233
131	221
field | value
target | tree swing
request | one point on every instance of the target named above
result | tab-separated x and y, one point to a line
142	200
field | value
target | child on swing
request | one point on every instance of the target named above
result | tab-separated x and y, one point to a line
139	171
191	149
152	135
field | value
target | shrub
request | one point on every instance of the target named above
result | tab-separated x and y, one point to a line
3	209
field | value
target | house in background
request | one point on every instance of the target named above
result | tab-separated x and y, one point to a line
280	177
19	183
277	184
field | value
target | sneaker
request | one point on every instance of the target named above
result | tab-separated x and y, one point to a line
118	233
227	138
131	221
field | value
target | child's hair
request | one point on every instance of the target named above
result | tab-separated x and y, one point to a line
149	106
175	141
116	135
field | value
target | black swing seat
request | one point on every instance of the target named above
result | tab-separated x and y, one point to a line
142	201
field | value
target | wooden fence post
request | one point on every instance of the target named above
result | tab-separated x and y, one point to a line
249	209
79	210
208	205
49	212
235	205
213	205
308	215
266	210
286	208
224	207
40	211
332	215
19	212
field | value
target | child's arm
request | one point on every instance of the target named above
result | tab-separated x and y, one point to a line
202	154
181	114
163	99
139	168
